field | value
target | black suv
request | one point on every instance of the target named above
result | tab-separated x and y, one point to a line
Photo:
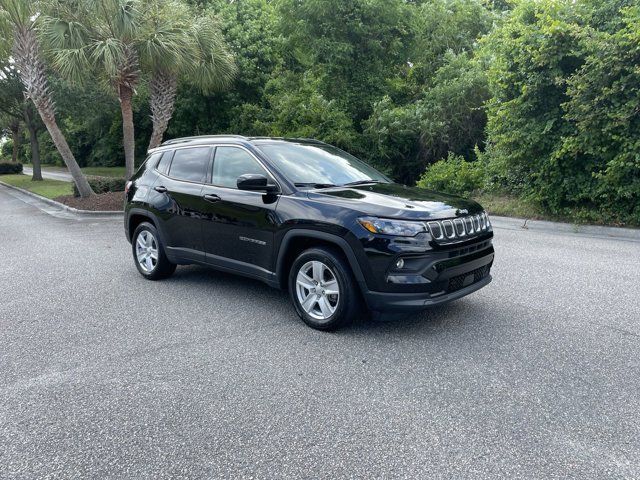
307	216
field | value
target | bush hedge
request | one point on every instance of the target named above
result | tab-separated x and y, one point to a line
454	175
103	185
10	168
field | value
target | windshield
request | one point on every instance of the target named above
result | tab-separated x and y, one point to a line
319	165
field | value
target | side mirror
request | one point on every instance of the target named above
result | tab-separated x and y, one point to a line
255	182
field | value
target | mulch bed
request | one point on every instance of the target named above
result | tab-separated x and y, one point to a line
112	201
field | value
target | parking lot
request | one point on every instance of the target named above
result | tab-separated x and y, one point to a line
206	375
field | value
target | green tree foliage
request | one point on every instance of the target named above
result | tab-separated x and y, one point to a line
563	116
298	109
454	175
351	46
536	98
447	117
604	107
251	31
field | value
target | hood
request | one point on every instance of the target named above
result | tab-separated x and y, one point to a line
392	200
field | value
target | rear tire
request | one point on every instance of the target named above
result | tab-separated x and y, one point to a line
148	253
323	291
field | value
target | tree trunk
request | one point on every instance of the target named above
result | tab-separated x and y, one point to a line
162	102
126	95
33	74
61	144
35	144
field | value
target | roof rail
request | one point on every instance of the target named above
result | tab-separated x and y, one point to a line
198	137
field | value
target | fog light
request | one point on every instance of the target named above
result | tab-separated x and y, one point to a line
400	263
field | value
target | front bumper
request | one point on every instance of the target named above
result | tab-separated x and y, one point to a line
439	278
409	302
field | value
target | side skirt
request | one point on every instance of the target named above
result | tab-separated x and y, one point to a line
186	256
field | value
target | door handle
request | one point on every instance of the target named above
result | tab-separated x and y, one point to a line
160	189
210	197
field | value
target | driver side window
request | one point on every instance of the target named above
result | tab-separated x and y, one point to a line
231	162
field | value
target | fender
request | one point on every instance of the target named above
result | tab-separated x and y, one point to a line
144	213
328	237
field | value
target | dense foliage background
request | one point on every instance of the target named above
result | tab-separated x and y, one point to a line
539	99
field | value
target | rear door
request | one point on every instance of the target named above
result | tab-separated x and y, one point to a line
238	231
178	200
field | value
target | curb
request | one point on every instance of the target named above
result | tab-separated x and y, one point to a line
547	226
62	206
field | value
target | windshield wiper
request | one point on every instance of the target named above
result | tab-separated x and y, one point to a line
361	182
314	185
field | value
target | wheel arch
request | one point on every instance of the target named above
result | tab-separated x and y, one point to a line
136	216
297	240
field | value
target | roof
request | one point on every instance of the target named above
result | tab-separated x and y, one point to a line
206	139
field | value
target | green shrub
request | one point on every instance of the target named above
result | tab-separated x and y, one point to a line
454	175
103	185
10	168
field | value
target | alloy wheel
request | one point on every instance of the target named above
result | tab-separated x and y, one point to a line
147	251
317	290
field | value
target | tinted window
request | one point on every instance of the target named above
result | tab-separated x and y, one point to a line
230	163
317	163
163	164
190	164
152	159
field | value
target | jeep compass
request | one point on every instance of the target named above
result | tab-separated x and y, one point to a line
305	216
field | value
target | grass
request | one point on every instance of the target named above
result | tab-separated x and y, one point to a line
97	171
46	188
105	171
509	206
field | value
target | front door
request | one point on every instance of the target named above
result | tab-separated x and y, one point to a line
239	226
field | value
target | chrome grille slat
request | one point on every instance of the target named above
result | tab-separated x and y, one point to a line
459	228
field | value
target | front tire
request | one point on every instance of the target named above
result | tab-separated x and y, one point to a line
148	253
323	290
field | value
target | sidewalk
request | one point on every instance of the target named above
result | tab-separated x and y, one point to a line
50	174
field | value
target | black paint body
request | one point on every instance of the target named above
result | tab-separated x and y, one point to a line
256	234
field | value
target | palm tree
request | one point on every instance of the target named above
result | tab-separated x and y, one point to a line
202	60
120	38
18	21
99	36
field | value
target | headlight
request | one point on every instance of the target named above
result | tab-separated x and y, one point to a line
400	228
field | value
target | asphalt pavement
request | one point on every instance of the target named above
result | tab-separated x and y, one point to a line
207	375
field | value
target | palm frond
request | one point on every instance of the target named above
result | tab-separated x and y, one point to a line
126	21
109	53
72	63
19	13
215	67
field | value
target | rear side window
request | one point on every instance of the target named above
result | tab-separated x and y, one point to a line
163	164
230	163
190	164
153	158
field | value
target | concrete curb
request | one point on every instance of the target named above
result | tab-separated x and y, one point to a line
66	208
547	226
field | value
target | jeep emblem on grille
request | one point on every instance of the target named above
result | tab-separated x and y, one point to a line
464	211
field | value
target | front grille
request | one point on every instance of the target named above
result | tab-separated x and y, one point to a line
458	282
460	228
